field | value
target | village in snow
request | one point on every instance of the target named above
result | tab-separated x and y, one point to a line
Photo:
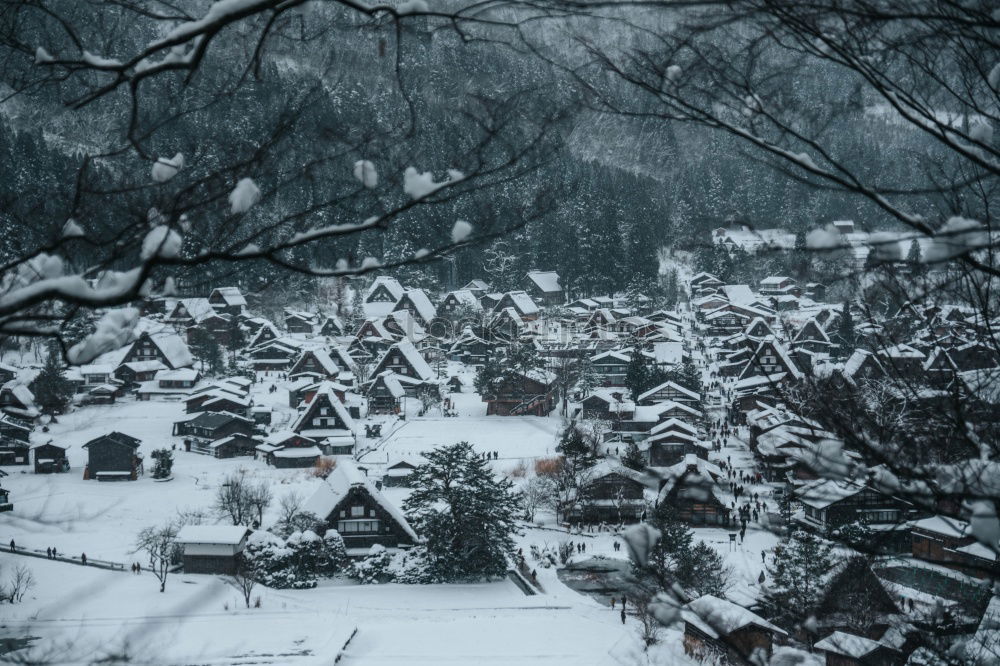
505	333
222	487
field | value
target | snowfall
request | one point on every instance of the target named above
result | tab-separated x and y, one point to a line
80	614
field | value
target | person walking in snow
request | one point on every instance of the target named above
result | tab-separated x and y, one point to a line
83	559
12	548
623	614
48	553
612	603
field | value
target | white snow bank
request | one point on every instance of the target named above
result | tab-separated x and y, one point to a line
419	185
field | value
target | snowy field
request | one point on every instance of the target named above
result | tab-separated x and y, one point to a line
79	614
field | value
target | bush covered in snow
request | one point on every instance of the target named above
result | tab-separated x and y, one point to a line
297	561
411	567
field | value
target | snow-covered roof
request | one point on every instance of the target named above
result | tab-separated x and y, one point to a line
821	493
850	645
173	348
391	381
739	294
414	359
298	452
145	366
231	295
390	283
673	423
721	617
669	384
230	535
546	281
324	389
522	301
180	374
465	297
942	525
342	478
421	303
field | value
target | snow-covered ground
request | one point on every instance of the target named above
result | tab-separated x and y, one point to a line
80	614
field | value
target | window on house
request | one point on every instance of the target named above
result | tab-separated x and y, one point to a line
357	511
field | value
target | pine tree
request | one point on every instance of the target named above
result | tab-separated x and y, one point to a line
206	349
637	374
671	290
164	463
573	445
800	567
633	458
51	388
587	377
915	260
466	514
846	336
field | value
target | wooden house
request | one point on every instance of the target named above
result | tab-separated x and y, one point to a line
208	426
5	503
470	348
132	374
215	399
532	393
460	301
829	503
113	457
331	326
611	494
315	363
813	337
164	346
669	390
522	303
704	280
384	290
18	401
841	648
611	367
266	332
212	549
404	359
298	322
350	503
14	440
778	285
690	488
13	451
326	420
398	474
416	302
719	631
273	355
768	359
855	600
227	300
949	542
544	287
607	404
386	393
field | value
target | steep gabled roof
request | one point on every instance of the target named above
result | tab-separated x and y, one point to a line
721	617
331	492
546	281
418	298
669	384
390	283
